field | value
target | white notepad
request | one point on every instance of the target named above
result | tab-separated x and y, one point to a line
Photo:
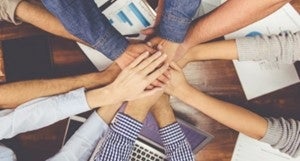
259	78
248	149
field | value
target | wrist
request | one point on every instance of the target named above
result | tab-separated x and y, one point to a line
112	72
115	93
135	111
99	97
183	92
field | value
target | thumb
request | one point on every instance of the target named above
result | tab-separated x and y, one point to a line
148	31
174	66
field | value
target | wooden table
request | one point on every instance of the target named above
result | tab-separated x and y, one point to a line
2	71
217	78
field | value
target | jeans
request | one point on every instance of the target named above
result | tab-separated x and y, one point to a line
83	19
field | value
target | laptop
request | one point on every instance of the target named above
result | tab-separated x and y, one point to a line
149	145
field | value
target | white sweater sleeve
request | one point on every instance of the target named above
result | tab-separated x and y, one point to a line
41	112
282	48
283	134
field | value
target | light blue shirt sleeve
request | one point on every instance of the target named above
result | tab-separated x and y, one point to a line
41	112
7	154
82	144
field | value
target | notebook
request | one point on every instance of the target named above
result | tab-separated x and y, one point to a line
249	149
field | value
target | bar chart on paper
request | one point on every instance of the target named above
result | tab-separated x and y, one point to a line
129	16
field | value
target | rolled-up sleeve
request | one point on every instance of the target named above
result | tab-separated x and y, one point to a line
42	112
83	19
118	144
176	18
282	48
8	9
176	146
284	135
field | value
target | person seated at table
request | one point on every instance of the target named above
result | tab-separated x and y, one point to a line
118	143
280	133
41	112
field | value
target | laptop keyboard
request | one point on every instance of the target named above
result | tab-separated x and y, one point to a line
143	152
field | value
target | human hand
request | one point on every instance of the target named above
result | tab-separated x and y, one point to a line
167	47
170	49
177	81
175	51
131	53
159	11
132	81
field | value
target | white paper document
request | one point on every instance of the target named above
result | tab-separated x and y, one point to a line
129	17
259	78
248	149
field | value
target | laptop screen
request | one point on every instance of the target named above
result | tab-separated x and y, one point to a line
196	137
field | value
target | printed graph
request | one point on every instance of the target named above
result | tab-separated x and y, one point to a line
131	16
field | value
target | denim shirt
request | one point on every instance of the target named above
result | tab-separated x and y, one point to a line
176	18
83	19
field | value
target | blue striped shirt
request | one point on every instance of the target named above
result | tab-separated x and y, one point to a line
118	144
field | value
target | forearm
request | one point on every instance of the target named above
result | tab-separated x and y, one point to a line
237	15
41	18
14	94
42	112
228	114
163	112
226	50
175	143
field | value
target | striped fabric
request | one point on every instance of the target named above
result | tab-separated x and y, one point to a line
119	141
176	146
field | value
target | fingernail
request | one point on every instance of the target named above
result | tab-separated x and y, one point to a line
158	53
159	47
149	43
